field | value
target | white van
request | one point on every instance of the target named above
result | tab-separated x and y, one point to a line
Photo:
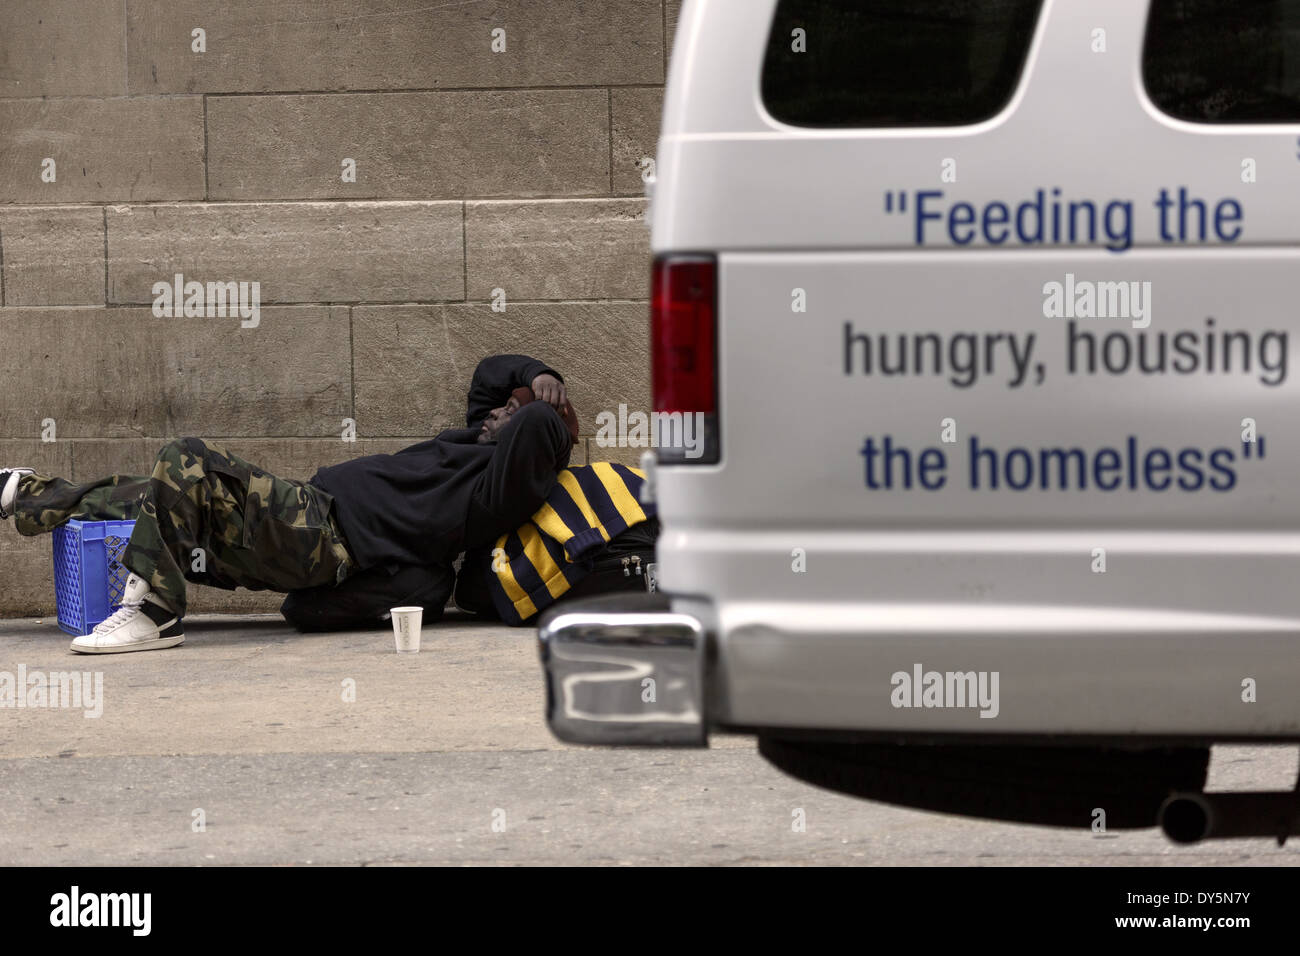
985	306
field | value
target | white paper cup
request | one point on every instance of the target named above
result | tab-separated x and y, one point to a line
406	628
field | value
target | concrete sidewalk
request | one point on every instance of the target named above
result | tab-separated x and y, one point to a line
442	757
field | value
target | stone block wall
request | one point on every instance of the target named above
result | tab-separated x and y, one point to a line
489	167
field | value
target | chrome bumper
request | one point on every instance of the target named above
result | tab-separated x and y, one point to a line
624	669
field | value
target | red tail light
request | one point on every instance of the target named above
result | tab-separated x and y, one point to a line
684	358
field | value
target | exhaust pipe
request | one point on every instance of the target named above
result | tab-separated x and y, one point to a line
1191	817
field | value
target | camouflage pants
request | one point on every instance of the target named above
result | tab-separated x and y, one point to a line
203	516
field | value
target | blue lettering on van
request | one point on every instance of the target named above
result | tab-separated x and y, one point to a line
1135	465
1046	218
967	359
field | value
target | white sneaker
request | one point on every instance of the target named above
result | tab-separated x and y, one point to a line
9	478
140	624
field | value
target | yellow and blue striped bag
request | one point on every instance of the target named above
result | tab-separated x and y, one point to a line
538	562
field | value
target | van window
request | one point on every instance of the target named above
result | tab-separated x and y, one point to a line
887	63
1224	61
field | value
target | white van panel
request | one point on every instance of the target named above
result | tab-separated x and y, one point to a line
1198	591
729	177
794	422
1061	670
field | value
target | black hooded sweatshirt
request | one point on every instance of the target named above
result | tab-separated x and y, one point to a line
427	503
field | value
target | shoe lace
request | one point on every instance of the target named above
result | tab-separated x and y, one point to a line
122	615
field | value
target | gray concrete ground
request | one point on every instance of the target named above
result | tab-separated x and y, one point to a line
443	757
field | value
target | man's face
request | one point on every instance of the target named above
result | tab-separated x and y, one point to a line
496	420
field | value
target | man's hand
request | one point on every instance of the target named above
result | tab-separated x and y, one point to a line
549	389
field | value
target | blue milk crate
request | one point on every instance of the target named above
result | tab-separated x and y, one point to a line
88	574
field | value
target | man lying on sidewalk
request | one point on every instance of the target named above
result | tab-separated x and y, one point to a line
423	505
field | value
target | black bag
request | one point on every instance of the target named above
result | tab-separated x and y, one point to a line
364	599
626	563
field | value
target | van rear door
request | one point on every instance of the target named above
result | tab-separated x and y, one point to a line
1004	308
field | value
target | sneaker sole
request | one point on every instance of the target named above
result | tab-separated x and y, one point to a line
154	645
